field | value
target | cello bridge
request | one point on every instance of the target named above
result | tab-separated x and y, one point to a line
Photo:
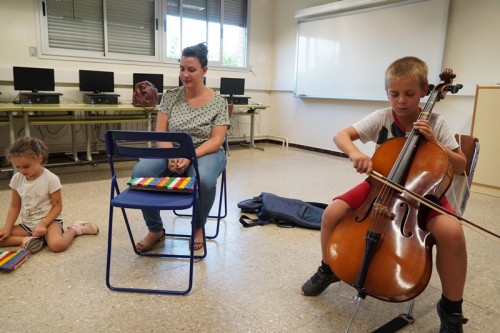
384	211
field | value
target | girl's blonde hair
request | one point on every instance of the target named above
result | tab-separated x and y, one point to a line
28	146
407	66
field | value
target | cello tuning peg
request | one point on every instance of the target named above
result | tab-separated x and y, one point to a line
456	88
431	87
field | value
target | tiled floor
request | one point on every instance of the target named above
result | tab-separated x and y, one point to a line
251	278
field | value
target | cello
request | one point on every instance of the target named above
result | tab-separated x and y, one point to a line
382	248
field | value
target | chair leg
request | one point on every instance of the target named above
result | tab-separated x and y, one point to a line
222	198
223	189
108	257
191	241
219	216
189	256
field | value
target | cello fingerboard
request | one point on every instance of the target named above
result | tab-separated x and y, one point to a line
166	184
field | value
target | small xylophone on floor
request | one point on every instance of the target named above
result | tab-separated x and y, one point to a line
168	184
10	260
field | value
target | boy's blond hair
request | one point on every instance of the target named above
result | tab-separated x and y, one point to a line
407	66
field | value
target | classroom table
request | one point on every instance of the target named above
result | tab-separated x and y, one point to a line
84	114
250	110
87	114
9	110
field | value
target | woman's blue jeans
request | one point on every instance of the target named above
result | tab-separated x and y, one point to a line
209	166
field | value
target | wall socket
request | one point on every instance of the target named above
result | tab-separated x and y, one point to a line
32	51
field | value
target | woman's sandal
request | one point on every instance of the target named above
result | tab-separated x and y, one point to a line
144	245
198	244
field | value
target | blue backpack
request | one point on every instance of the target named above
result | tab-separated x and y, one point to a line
284	212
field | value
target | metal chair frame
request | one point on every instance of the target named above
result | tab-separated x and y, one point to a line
139	144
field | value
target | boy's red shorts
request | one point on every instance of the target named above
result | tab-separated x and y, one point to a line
357	196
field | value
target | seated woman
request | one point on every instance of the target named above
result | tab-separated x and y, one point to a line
199	111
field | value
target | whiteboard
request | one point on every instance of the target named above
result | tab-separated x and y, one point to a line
345	55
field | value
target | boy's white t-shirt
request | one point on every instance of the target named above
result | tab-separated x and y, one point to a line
35	196
380	125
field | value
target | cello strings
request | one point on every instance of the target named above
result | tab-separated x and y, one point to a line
380	215
377	218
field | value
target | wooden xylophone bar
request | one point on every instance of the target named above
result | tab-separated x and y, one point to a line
10	260
168	184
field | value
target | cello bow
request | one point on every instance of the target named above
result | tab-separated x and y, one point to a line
482	231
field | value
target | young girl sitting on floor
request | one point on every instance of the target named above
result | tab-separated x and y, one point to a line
36	195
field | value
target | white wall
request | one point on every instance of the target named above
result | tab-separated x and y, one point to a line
471	50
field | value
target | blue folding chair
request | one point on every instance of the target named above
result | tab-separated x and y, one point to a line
140	144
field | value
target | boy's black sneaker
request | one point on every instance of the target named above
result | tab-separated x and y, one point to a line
450	323
318	282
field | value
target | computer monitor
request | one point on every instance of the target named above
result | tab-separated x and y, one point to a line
155	79
204	81
232	86
34	79
97	81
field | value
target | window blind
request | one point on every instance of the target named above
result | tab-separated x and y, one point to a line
213	11
235	11
131	26
79	25
75	24
194	9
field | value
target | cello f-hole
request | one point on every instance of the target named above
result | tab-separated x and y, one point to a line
359	220
406	208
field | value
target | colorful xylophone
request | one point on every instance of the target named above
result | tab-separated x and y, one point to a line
169	184
10	260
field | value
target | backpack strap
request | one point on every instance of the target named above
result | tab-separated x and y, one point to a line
250	223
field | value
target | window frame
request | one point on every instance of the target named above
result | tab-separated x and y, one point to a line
214	64
46	50
160	56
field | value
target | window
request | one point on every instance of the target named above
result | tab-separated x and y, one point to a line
130	29
113	29
213	21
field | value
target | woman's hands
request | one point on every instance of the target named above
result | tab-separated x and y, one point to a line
178	165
